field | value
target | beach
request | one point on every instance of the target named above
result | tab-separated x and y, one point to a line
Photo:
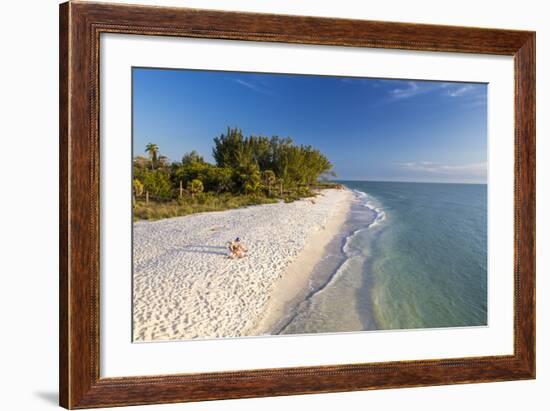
185	286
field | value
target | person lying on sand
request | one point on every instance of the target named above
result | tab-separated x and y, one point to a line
236	248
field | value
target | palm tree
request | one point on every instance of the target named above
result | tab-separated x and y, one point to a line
249	177
192	157
281	182
269	179
137	189
162	161
195	187
153	151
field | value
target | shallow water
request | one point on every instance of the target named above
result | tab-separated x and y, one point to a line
411	255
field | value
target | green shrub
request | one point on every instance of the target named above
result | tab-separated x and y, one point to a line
203	202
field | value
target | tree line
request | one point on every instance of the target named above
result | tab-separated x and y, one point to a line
259	165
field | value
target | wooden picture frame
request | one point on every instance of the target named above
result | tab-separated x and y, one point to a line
80	27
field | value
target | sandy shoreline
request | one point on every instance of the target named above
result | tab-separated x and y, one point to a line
186	287
293	286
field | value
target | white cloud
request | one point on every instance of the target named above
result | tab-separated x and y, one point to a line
253	86
460	91
412	89
415	88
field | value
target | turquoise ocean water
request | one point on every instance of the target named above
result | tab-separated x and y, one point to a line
411	255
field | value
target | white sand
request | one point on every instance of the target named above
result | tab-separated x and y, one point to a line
186	287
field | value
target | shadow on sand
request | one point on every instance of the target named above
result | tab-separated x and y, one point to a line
205	249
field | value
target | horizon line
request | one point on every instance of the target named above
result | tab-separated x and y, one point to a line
408	182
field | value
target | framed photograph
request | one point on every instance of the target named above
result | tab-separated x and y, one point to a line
258	205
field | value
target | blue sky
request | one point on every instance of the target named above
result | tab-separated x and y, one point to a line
370	129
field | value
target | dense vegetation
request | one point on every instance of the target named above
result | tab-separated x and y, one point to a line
248	170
